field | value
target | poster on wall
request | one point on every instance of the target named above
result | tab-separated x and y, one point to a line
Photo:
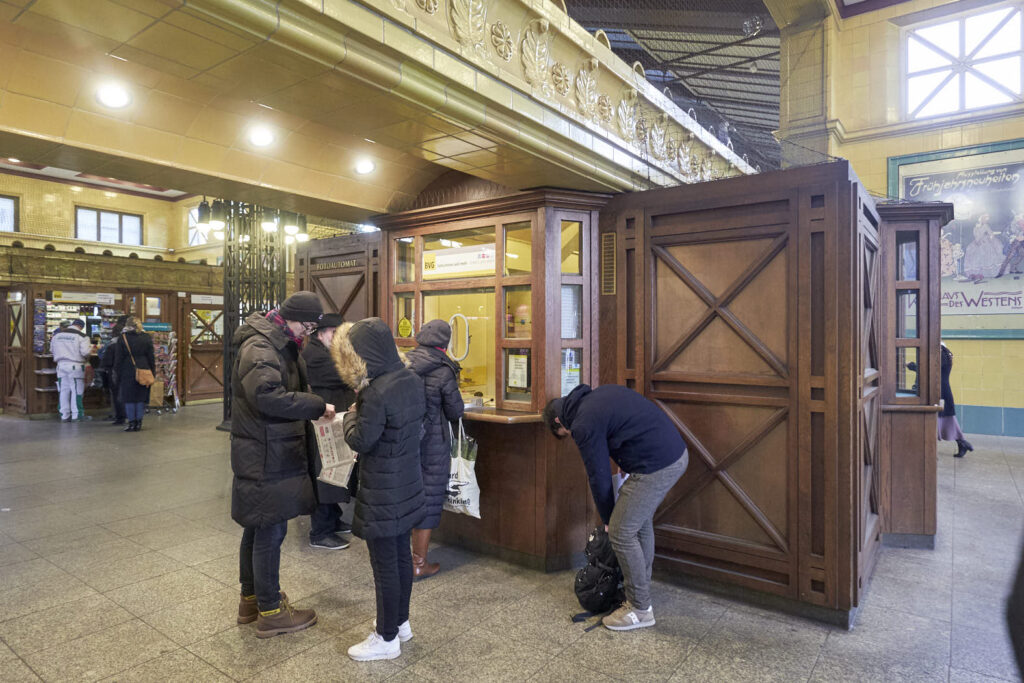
982	259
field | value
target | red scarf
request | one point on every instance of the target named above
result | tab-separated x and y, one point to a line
274	316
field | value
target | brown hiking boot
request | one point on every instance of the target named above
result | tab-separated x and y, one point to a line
285	619
248	610
422	569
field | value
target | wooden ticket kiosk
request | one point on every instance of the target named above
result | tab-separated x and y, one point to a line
516	278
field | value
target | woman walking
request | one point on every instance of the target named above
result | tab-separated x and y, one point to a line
949	428
440	376
384	429
134	350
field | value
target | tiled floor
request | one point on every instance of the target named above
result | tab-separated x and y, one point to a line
118	562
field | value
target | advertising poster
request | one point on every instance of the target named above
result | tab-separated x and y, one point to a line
982	258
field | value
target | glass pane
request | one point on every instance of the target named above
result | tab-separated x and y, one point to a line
906	314
14	321
466	253
405	260
405	314
980	27
131	229
980	93
517	248
571	369
518	370
518	318
907	372
920	87
207	327
921	57
572	311
1006	72
1006	39
943	36
947	99
571	247
6	214
110	227
906	255
470	312
86	222
152	309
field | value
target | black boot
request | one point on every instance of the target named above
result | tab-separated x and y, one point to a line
962	446
130	427
118	421
138	426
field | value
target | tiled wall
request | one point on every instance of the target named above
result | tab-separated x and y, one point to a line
864	123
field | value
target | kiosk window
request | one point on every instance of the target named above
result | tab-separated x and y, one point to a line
906	313
405	314
907	372
405	260
572	311
571	369
571	247
470	312
518	249
518	386
460	254
518	314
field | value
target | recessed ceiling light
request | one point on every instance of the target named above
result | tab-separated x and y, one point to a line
13	160
110	194
261	135
76	188
113	95
364	166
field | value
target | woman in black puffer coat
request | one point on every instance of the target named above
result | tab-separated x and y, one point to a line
134	350
440	376
385	430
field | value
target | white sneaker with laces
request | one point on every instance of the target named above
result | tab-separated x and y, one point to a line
375	647
404	630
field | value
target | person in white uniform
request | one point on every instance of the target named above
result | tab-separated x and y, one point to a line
71	348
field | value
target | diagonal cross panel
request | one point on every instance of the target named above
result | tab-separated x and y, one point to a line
717	306
718	470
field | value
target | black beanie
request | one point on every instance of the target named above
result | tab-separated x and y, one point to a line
302	307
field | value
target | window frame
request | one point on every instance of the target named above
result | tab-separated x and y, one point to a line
192	228
120	225
960	67
17	212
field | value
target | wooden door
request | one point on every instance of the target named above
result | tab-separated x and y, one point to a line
342	271
719	354
17	346
204	351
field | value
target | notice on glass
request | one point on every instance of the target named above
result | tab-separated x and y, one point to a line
518	373
571	311
570	371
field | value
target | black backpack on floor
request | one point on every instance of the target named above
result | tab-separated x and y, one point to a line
599	583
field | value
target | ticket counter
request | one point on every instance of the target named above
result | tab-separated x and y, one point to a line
516	279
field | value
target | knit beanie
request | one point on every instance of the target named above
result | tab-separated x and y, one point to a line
302	307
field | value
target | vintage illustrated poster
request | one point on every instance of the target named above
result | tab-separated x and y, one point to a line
982	259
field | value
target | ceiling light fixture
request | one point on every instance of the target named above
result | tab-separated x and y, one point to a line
203	215
261	135
218	215
218	234
13	160
364	166
76	188
113	95
366	227
289	239
269	222
291	223
303	234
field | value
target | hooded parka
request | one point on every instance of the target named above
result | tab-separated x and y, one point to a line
444	404
384	430
271	438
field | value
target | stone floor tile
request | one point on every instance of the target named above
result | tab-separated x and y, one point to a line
169	537
204	549
560	670
100	654
328	661
179	666
16	671
119	573
929	599
238	653
197	619
161	592
541	619
961	676
71	541
883	636
870	668
213	507
42	596
143	523
49	627
985	651
478	656
81	559
26	573
342	607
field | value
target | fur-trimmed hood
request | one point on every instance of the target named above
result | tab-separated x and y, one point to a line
350	366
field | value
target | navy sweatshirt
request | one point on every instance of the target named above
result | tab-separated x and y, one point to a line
615	421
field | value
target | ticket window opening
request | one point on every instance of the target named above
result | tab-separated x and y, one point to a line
477	305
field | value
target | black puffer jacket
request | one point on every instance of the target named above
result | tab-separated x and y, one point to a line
325	382
271	438
141	344
384	430
444	404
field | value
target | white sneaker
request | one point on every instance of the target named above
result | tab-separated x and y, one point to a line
375	647
627	617
404	630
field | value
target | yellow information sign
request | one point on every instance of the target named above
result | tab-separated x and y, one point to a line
404	328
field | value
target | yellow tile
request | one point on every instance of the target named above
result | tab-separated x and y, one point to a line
176	45
38	116
45	78
102	17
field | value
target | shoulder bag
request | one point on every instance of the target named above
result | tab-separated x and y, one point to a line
142	375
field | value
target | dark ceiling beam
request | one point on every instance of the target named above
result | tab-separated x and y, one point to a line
656	19
711	50
725	67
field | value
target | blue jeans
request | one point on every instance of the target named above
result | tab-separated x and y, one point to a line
324	521
391	559
135	411
259	563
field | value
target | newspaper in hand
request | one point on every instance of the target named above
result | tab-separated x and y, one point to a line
336	458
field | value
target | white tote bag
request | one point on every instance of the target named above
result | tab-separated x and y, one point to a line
463	490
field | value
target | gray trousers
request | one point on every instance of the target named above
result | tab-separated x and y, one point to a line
631	529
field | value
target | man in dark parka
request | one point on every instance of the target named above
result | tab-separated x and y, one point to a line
324	381
271	454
